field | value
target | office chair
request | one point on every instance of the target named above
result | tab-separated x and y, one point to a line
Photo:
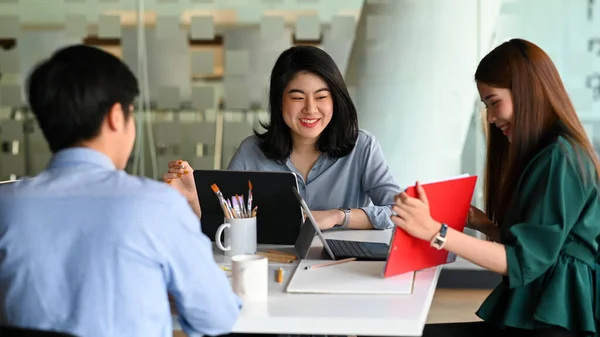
10	331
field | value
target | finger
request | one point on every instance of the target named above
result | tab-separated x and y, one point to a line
186	166
175	163
399	222
400	212
182	164
170	176
398	200
405	199
422	194
178	170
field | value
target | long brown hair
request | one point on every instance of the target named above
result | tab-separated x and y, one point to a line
539	102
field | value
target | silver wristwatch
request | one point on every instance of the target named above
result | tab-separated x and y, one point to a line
346	211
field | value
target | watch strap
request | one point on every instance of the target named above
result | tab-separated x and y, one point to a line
346	216
439	239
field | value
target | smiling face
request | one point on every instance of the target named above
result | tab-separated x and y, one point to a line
307	107
499	105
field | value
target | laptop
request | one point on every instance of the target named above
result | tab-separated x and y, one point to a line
336	249
278	217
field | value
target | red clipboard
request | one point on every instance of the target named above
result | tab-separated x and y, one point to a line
449	203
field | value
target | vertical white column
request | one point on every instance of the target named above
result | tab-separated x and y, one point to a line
412	68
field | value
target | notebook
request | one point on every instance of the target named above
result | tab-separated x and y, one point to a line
449	203
356	277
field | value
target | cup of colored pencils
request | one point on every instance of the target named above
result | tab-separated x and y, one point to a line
236	207
239	227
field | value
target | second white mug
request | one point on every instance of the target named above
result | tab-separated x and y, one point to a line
239	236
250	277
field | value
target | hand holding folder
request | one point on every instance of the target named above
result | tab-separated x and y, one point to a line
448	202
413	214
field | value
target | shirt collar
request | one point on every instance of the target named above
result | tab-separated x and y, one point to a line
80	155
322	164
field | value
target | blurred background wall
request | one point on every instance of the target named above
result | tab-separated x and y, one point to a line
204	67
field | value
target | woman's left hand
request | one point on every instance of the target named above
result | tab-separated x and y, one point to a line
328	219
413	216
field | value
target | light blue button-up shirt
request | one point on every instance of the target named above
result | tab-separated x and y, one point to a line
362	179
91	250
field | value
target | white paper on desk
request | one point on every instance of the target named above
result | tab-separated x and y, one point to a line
356	277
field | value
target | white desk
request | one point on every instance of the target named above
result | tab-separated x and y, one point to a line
375	315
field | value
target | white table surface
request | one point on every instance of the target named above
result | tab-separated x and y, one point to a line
336	314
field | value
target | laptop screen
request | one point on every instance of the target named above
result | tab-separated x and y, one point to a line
314	224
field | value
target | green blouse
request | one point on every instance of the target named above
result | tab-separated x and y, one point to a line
550	234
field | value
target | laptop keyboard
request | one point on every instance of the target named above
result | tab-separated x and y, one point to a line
349	248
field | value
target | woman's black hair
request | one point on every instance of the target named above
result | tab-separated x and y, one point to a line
339	137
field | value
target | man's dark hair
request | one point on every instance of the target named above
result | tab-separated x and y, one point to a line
339	137
71	93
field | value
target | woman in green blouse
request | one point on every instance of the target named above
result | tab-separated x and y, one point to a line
542	205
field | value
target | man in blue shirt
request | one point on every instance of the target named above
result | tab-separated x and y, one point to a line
88	249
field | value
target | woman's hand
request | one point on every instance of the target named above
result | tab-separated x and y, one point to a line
477	219
413	216
328	219
181	178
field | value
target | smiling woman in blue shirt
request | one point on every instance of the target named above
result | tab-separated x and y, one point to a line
313	131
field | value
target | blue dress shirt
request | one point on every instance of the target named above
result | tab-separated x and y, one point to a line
362	179
91	250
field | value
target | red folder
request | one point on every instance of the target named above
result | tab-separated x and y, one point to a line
449	203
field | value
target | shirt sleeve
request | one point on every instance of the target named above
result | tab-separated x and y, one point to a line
237	162
200	289
379	184
552	197
246	149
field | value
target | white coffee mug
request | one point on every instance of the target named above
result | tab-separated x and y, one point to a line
250	277
239	236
